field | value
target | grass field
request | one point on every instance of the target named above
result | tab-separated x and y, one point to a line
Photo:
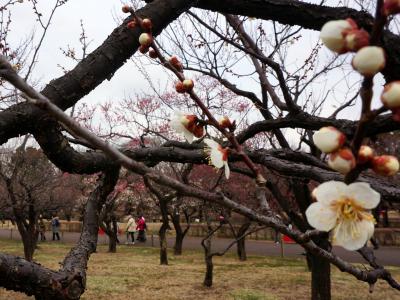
134	273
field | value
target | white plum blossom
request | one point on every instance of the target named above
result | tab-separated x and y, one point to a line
218	155
369	60
187	125
345	211
328	139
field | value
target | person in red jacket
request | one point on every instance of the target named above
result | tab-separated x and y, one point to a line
141	227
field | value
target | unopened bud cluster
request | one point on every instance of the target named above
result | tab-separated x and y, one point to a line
184	86
226	123
331	140
146	38
342	36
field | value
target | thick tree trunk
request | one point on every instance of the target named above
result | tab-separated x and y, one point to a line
70	281
29	247
29	239
111	230
241	249
178	243
163	229
179	233
241	243
320	275
208	279
112	239
112	244
163	245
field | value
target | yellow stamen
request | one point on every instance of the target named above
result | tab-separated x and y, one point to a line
348	209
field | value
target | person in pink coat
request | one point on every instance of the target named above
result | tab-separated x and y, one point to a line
141	227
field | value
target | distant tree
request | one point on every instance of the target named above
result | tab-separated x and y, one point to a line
28	178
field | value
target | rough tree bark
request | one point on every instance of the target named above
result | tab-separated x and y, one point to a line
98	66
180	233
69	282
108	222
110	228
320	268
26	224
163	232
113	237
320	274
208	255
241	242
208	278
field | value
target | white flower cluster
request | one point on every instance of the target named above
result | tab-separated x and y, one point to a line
191	127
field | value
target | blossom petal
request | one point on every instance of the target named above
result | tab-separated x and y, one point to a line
352	235
370	228
363	194
216	158
188	135
211	143
329	191
176	124
227	170
321	217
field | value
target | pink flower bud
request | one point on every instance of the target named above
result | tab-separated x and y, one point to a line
125	9
145	39
391	95
225	122
153	53
131	24
386	165
333	34
146	24
188	84
329	139
356	39
143	49
365	154
369	60
391	7
342	161
198	131
179	87
174	61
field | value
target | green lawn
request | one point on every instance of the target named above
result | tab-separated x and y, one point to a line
134	273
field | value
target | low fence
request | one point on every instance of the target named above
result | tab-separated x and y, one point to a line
385	236
226	232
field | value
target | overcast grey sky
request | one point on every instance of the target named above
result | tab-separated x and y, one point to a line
99	20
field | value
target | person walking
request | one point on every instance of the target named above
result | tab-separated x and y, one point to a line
42	228
55	228
141	226
130	230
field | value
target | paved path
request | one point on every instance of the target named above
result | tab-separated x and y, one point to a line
386	255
